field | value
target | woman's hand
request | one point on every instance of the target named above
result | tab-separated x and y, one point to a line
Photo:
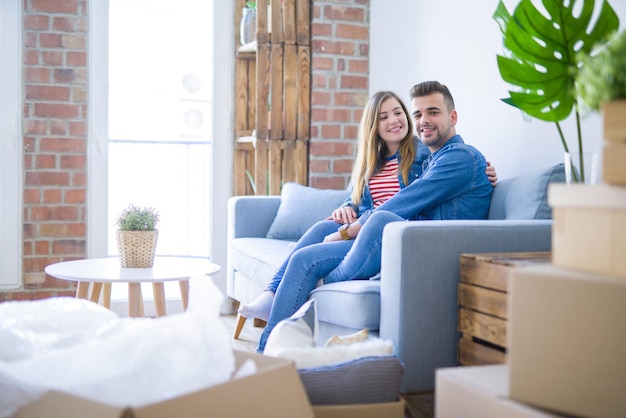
343	215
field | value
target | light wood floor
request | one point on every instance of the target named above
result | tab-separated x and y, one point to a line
419	405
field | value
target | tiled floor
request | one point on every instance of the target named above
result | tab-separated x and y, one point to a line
418	405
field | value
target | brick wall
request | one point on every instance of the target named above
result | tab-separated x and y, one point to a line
339	88
55	123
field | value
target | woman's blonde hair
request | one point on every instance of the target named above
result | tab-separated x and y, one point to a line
372	150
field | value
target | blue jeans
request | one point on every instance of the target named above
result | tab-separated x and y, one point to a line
312	260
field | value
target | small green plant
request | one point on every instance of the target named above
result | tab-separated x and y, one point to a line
602	77
135	218
251	4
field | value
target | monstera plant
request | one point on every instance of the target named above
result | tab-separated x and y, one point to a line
542	57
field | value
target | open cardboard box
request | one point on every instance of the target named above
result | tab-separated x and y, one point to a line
275	390
373	410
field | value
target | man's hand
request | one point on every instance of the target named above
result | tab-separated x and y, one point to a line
491	174
343	215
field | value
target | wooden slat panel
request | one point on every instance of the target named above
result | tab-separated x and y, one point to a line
289	161
492	270
291	92
303	22
302	160
304	93
263	89
472	353
241	94
277	36
251	95
276	166
483	300
262	33
289	15
276	88
483	326
238	13
261	167
239	165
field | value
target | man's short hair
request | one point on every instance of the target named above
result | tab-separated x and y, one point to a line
426	88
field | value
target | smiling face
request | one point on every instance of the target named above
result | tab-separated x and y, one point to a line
393	124
434	122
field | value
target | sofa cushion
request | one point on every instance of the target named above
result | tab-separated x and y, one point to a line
258	258
525	196
301	207
353	303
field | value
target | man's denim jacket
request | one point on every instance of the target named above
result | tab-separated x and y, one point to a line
453	185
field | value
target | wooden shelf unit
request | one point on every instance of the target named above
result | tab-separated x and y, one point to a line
483	296
272	99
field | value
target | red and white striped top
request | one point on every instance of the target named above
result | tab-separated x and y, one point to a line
384	184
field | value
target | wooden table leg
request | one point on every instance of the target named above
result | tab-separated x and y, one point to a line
159	298
134	300
106	297
82	289
95	292
184	293
241	320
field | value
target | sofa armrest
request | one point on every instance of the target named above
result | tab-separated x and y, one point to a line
419	285
251	216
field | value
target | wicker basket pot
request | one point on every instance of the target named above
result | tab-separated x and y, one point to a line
137	248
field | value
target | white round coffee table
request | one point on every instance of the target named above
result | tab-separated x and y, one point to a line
104	271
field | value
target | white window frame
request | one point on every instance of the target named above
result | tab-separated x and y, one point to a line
222	122
10	145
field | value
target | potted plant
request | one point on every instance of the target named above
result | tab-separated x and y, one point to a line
137	236
542	55
601	84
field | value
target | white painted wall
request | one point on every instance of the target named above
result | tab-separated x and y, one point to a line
456	43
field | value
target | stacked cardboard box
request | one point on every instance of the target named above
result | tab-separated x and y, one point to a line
567	333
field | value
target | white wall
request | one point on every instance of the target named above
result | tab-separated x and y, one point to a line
456	43
222	122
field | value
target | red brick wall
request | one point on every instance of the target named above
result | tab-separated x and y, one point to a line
339	87
55	126
55	123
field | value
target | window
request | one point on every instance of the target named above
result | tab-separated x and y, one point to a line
155	143
10	145
195	164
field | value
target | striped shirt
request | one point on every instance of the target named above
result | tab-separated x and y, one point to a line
384	183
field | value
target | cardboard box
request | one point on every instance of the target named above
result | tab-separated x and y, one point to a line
589	229
479	392
274	391
613	164
566	341
373	410
613	126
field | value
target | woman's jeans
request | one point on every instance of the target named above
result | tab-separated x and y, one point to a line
311	260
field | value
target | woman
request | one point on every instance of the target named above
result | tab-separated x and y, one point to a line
388	159
387	154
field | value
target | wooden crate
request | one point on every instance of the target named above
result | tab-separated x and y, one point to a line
483	303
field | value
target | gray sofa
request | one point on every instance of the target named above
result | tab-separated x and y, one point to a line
413	302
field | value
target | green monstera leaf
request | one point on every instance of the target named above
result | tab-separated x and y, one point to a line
542	49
